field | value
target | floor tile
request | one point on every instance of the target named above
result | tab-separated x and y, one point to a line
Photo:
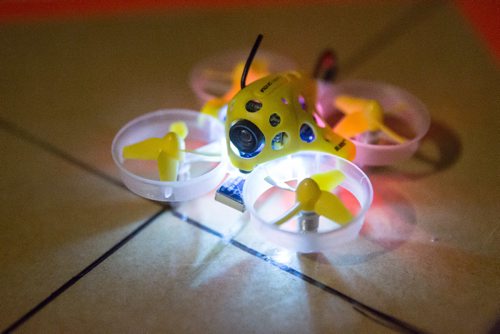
177	278
56	219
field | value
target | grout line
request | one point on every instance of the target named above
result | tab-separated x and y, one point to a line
389	34
46	146
373	314
84	272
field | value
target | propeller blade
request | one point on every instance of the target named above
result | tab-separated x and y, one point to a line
362	115
393	135
330	206
310	197
349	104
258	69
180	128
145	150
167	167
293	211
369	108
279	184
327	181
149	149
212	107
352	125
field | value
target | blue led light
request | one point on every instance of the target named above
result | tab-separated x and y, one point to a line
307	133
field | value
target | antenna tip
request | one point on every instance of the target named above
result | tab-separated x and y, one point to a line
248	63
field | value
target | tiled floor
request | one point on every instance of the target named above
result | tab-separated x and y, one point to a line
80	253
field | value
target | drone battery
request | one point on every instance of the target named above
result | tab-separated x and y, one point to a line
231	193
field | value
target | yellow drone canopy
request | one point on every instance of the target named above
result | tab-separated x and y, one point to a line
273	117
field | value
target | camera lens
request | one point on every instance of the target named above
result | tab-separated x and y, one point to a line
247	138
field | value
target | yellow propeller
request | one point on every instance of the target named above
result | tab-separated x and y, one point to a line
258	70
313	195
362	115
180	128
328	180
168	151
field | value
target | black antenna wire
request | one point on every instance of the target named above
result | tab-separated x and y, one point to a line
250	60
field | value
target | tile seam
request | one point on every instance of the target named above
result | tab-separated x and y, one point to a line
68	284
368	311
27	136
391	32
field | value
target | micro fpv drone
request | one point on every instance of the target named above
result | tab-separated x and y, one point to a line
280	155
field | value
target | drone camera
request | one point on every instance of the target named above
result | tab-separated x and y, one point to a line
247	138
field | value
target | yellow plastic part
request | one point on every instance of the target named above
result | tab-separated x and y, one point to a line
168	151
329	180
330	206
149	149
180	128
362	115
167	167
308	193
310	197
283	94
213	106
258	70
